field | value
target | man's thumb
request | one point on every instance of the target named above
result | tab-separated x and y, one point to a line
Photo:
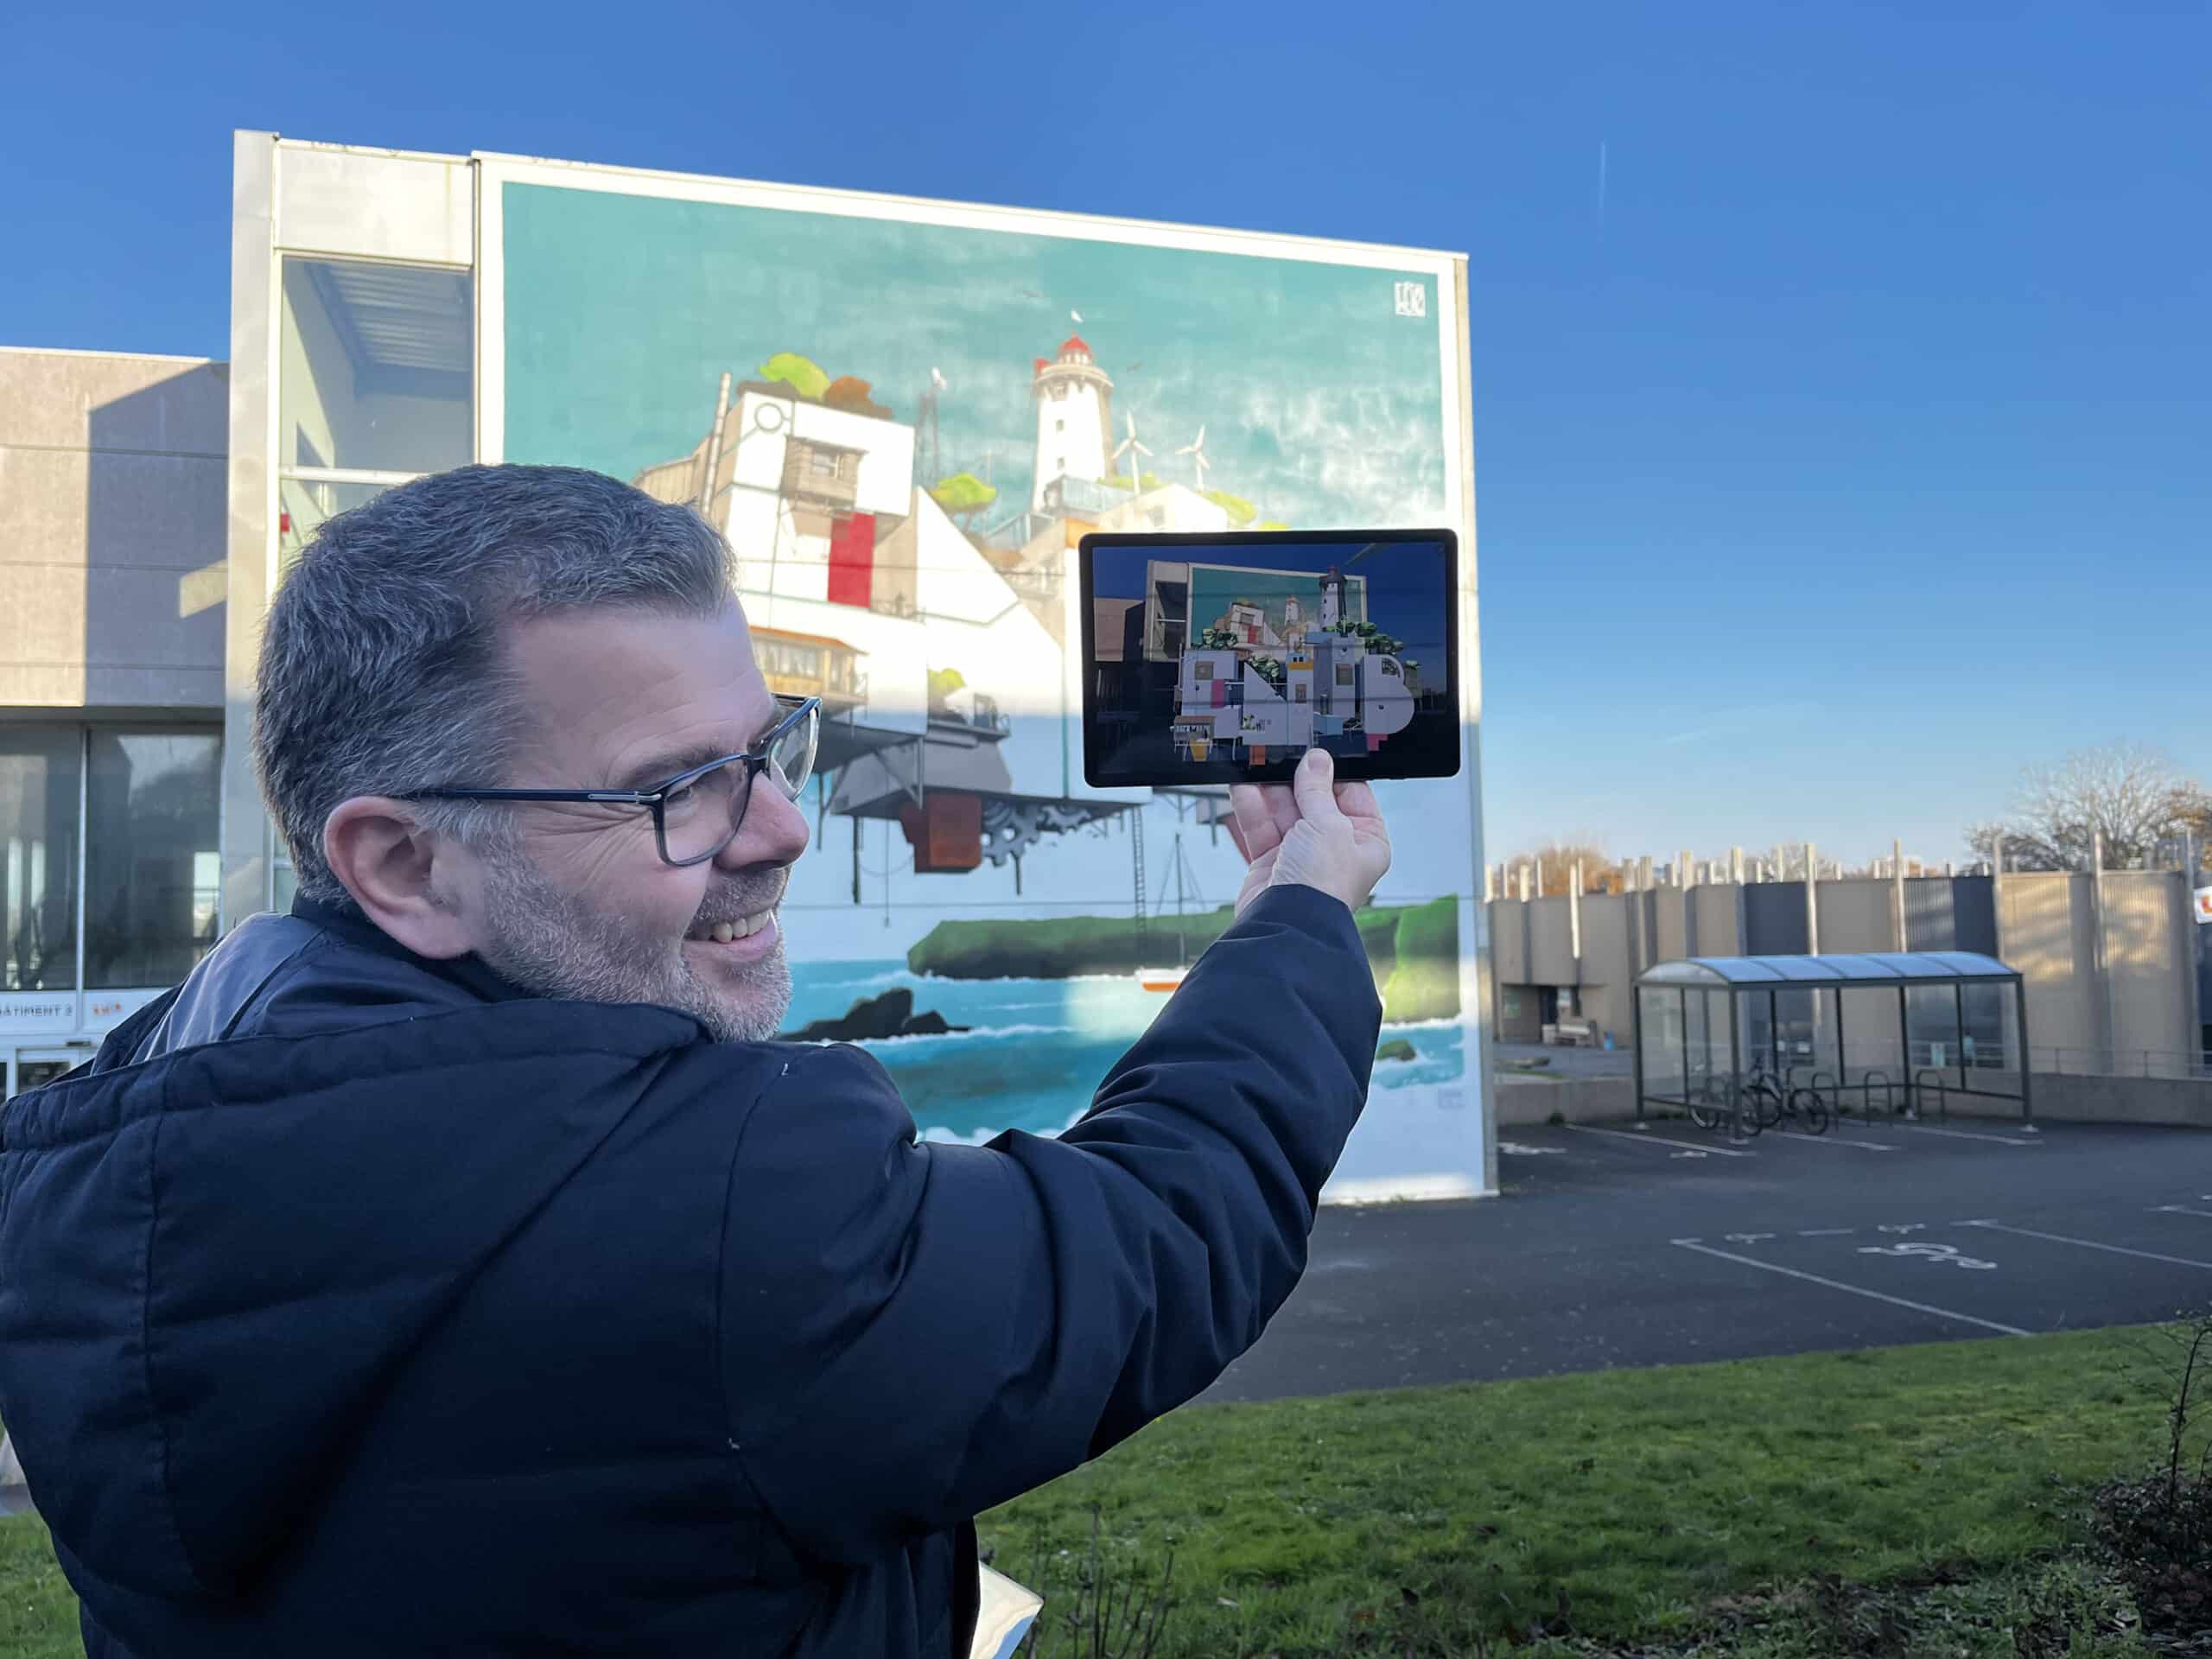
1314	785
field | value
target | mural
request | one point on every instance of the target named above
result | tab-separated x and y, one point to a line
904	428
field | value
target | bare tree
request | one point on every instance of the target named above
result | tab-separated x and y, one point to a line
1557	859
2131	796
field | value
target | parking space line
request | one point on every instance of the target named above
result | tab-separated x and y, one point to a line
1854	1146
1855	1290
2088	1244
1962	1134
2182	1210
1659	1140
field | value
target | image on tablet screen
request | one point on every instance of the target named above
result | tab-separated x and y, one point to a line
1219	663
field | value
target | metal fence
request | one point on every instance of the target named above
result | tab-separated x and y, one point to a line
2121	1063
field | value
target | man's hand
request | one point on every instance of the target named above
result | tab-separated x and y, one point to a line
1314	832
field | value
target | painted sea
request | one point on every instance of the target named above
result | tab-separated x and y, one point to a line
1038	1047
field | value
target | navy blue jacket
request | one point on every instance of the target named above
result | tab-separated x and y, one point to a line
355	1304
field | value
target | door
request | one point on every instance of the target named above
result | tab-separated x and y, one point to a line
28	1068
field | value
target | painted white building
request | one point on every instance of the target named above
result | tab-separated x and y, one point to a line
1075	412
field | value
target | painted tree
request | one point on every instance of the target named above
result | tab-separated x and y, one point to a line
1214	640
850	393
962	495
1388	644
801	374
1241	512
943	682
1147	481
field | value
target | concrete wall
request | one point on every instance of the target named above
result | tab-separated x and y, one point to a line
1551	947
1524	1101
1717	933
112	513
1508	942
2147	927
2046	922
1856	918
1608	973
2103	1099
2057	1100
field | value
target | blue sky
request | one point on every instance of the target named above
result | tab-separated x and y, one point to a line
1850	450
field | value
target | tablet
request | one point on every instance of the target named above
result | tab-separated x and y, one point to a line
1223	659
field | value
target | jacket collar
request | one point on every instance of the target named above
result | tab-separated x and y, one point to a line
471	973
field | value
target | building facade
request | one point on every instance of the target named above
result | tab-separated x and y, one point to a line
112	621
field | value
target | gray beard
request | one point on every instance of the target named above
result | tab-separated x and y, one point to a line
555	942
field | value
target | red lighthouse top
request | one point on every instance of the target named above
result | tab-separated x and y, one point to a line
1073	344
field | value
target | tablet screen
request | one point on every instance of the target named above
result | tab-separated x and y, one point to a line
1213	659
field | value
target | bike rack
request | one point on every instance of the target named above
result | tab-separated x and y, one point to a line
1920	1083
1867	1082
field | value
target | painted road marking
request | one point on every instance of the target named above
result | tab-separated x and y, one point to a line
1659	1140
2089	1244
1965	1135
1515	1150
1947	1254
1855	1290
1826	1232
2182	1210
1855	1146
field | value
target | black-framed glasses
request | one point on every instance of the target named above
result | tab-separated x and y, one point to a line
698	813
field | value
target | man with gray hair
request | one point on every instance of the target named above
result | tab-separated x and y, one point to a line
455	1265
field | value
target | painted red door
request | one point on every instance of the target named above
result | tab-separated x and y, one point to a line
852	560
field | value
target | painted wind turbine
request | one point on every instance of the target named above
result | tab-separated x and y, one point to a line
1196	450
1131	447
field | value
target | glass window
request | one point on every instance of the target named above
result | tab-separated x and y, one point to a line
375	385
39	768
152	856
1931	1015
1665	1050
284	886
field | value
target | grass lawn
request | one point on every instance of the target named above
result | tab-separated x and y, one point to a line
38	1614
1639	1502
1924	1498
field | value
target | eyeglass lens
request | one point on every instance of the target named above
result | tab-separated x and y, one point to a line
701	818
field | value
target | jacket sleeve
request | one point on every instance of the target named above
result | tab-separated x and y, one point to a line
913	1332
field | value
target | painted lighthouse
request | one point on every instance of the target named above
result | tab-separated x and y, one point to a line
1075	413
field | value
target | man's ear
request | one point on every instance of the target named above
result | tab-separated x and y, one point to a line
417	886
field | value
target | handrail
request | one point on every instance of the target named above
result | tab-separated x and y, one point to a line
1889	1092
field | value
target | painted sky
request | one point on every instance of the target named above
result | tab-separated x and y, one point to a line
1321	405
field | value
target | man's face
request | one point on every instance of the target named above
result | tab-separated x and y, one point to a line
624	699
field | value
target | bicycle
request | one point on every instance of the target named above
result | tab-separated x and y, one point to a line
1714	1109
1764	1094
1709	1104
1773	1100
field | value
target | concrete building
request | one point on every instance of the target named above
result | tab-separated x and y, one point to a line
2111	963
112	624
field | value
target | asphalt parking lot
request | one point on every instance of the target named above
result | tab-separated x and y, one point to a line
1613	1246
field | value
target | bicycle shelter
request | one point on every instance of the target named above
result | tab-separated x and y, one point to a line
1904	1031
